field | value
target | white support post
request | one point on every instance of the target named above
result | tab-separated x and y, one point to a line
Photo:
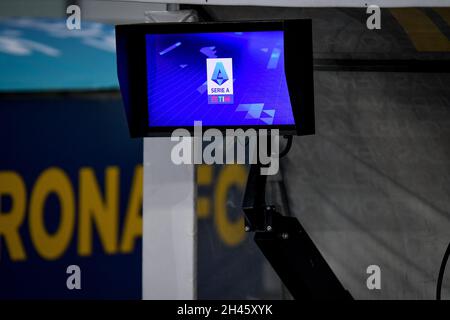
169	239
170	225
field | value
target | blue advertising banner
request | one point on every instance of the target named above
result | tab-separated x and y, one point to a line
230	266
71	194
70	176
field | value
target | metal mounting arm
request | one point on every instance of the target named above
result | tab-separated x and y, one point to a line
287	246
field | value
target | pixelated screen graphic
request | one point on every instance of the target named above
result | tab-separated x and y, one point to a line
219	78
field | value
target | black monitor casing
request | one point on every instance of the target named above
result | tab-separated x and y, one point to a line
131	68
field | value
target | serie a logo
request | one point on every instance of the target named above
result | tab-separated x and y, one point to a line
220	80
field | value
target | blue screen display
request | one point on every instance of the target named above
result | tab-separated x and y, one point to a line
221	79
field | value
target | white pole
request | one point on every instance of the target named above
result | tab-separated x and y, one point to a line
170	225
169	239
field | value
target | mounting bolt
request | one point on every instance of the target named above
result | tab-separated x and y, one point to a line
284	235
246	228
269	228
268	208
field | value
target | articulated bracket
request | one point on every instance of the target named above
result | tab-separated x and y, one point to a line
287	246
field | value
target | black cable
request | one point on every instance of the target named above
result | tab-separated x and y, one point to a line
287	147
441	272
285	294
281	185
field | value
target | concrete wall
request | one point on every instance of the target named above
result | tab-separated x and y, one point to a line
373	185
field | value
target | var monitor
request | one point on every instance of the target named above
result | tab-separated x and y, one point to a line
226	75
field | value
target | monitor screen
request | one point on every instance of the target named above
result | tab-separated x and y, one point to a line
220	78
226	75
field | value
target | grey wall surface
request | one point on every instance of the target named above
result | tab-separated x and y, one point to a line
373	185
47	8
117	11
